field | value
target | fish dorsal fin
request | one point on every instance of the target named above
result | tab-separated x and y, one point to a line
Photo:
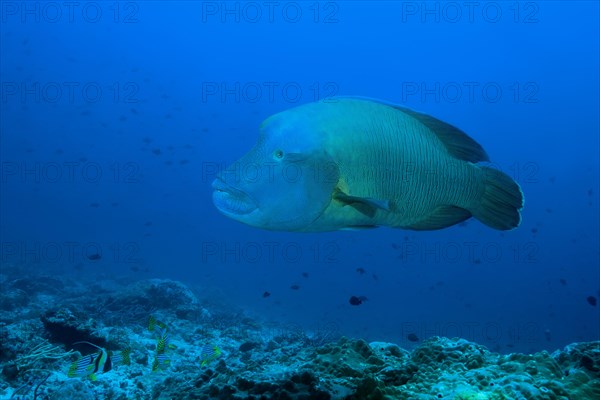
91	344
458	143
442	217
364	205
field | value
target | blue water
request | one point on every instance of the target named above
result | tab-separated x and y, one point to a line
115	118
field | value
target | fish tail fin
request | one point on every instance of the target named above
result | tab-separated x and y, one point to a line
151	323
502	201
73	372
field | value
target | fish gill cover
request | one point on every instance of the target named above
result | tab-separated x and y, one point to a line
440	160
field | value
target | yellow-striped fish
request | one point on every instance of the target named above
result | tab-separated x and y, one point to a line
208	353
161	360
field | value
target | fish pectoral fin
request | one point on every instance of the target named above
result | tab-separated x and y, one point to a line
441	217
364	205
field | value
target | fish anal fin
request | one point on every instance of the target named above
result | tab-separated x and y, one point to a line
441	217
358	227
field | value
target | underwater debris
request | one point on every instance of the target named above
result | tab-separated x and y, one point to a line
26	388
36	355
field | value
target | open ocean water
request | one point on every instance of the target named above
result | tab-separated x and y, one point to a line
117	116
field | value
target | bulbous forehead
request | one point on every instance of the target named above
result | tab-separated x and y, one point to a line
298	129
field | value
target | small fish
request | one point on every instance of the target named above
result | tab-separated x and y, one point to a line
162	334
305	274
266	294
360	270
153	323
161	362
295	287
412	337
592	301
162	343
357	301
94	257
101	362
208	353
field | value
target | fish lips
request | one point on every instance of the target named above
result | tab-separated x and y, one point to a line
232	201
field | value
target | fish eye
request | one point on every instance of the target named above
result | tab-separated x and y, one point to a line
278	154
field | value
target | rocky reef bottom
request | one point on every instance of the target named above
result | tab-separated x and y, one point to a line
155	339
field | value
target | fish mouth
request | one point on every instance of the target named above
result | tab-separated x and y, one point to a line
231	201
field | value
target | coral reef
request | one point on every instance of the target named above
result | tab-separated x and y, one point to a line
213	353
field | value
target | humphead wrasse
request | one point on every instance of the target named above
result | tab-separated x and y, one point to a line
351	163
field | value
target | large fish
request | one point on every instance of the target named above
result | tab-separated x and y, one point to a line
349	163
